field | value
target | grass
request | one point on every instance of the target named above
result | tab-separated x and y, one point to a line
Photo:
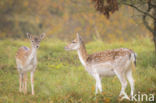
60	78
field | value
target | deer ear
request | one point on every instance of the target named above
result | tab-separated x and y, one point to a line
29	36
42	36
78	37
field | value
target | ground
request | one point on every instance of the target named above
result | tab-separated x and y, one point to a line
60	77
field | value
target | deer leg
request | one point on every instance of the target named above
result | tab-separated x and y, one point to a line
98	83
20	82
123	82
131	80
96	88
25	83
32	82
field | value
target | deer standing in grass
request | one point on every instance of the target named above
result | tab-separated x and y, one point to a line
26	60
119	62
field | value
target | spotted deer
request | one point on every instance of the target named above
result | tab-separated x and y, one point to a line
119	62
26	61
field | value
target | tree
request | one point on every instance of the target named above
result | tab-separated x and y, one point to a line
146	7
17	17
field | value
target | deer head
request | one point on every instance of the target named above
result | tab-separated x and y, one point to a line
75	44
35	40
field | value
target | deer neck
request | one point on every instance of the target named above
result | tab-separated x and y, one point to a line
32	55
82	53
33	52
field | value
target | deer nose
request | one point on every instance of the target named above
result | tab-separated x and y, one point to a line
65	48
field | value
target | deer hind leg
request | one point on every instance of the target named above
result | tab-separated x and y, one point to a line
131	80
32	82
20	82
123	82
25	83
98	83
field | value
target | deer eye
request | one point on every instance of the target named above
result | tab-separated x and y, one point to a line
32	41
73	42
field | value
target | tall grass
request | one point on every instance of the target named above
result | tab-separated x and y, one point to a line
60	78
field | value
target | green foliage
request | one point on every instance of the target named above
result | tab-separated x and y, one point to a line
60	78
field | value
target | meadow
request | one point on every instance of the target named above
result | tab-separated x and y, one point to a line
60	77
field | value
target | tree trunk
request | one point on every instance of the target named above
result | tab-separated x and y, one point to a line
154	35
154	32
154	29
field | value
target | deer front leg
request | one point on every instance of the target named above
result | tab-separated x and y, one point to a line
25	83
32	82
98	83
20	82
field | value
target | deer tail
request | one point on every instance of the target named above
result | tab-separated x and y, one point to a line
133	60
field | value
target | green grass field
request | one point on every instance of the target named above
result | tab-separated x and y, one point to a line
60	78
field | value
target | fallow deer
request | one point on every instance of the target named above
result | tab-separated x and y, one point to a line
26	61
119	62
